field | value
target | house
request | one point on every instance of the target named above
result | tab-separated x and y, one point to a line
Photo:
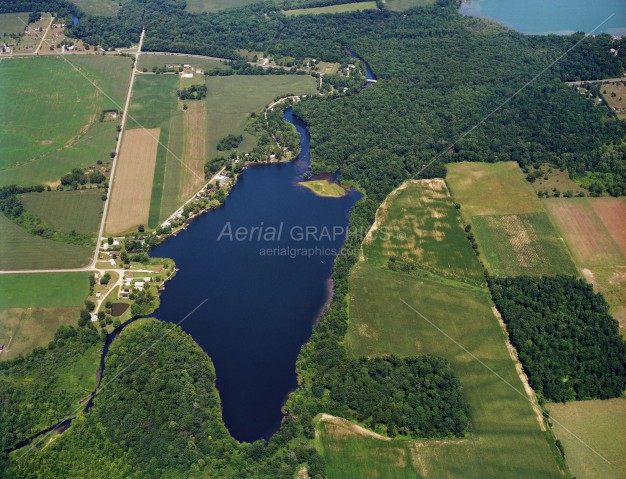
1	347
187	75
116	243
94	317
147	279
158	269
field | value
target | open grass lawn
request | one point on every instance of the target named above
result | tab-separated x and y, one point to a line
602	426
21	250
106	8
324	188
525	244
419	225
342	8
50	113
12	23
189	138
401	5
491	189
149	61
199	6
68	211
454	320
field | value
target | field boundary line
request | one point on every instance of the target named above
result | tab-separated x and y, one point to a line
482	363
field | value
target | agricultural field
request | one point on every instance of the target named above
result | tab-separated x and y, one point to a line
132	186
200	6
514	234
419	225
149	61
107	8
189	137
21	250
402	5
453	320
601	428
525	244
595	232
33	306
615	96
51	111
342	8
12	23
68	211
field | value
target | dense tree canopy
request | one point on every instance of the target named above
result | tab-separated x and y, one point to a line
567	341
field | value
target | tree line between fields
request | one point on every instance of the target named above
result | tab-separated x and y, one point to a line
439	74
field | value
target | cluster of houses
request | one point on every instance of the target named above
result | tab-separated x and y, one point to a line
130	283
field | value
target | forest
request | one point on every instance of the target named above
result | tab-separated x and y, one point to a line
567	341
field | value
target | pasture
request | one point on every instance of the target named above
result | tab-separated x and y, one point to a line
190	137
149	61
523	244
200	6
402	5
13	23
50	113
419	225
104	8
132	186
615	96
491	189
21	250
601	427
67	211
341	8
555	178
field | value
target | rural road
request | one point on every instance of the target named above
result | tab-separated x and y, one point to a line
43	37
606	80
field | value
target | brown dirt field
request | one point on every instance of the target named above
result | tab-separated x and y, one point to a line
586	232
612	213
194	149
132	186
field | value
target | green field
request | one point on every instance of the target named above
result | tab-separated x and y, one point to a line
324	188
419	225
200	6
50	113
148	62
527	244
453	320
106	8
12	23
587	426
342	8
67	211
179	168
402	5
21	250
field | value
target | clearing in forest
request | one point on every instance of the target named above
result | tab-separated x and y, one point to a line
341	8
132	186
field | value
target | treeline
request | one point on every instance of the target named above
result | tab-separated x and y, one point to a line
62	8
567	341
229	142
40	389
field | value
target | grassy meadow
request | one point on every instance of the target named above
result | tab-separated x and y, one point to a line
33	306
515	236
12	23
402	5
21	250
189	138
341	8
67	211
200	6
602	427
404	314
50	112
104	8
149	61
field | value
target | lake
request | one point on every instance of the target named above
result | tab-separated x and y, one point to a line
553	16
263	292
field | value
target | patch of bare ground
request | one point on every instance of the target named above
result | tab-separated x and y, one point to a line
340	428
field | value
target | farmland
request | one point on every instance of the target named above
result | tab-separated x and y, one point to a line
601	427
189	137
132	187
341	8
149	61
106	8
12	23
21	250
514	234
419	225
455	321
50	113
401	5
199	6
67	211
32	307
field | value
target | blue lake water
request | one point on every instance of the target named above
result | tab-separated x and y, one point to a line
261	307
553	16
